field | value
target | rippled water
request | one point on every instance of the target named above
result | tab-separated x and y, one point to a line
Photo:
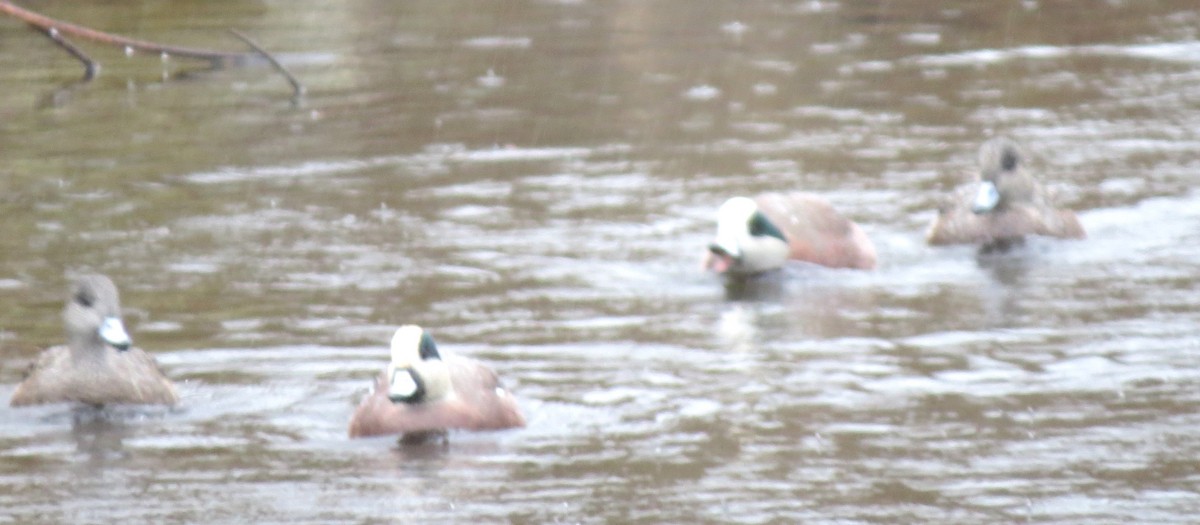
535	182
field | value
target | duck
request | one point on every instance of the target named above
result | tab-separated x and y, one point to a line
424	392
760	234
1002	205
99	364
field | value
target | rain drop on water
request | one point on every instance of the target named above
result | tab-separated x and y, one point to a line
702	92
491	80
735	29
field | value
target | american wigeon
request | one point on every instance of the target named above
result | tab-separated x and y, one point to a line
1005	204
761	234
424	391
99	364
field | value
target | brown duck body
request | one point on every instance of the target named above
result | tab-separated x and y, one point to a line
477	401
761	234
816	232
97	377
956	223
1020	205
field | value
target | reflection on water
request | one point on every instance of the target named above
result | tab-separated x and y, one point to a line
535	181
100	433
770	286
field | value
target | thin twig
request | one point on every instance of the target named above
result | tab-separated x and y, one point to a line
90	67
297	88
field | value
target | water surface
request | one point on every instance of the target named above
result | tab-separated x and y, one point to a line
535	182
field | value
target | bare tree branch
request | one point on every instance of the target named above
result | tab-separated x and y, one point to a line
45	24
90	67
58	30
297	88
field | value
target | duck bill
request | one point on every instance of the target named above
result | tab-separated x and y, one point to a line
720	259
986	198
112	331
405	385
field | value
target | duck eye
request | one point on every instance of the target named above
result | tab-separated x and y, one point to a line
84	299
1008	160
758	224
761	226
428	350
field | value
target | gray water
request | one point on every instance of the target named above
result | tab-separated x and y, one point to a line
535	183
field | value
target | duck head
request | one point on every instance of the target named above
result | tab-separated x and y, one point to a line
93	314
747	241
1002	177
416	373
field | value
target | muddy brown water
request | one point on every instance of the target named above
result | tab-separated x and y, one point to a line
535	182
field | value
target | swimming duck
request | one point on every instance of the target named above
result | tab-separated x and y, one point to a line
761	234
99	364
1004	205
424	391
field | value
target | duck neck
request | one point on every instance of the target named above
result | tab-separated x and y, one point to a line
86	348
